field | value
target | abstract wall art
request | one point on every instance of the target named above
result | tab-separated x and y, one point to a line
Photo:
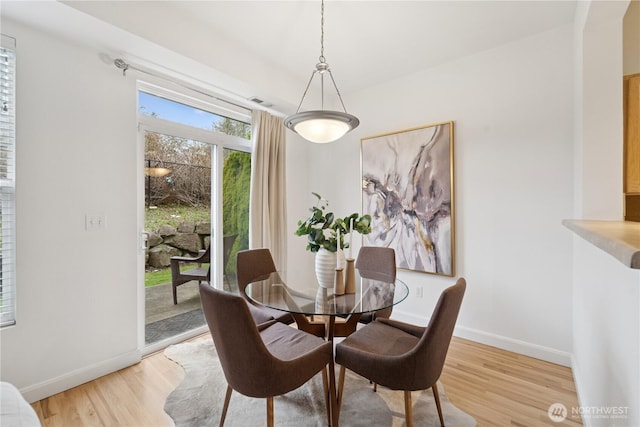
407	188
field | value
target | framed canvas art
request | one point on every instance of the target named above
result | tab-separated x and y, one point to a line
407	188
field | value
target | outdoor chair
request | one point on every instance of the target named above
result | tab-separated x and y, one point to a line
402	356
199	273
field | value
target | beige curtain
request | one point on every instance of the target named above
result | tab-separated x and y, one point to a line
267	227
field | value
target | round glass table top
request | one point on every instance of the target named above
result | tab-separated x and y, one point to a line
373	292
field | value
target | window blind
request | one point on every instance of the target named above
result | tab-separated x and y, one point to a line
7	181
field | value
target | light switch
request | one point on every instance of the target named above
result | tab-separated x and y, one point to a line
94	222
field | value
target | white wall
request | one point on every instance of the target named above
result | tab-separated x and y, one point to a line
606	294
78	295
76	153
513	112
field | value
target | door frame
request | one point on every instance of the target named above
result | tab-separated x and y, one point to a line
218	143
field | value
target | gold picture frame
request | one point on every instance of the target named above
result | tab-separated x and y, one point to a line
407	188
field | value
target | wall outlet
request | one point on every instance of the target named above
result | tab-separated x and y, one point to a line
419	292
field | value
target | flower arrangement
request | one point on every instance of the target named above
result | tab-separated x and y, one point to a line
323	228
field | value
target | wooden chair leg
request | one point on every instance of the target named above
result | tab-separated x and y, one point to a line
340	388
327	395
270	411
408	411
332	395
436	396
227	398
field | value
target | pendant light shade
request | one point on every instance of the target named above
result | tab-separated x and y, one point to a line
321	126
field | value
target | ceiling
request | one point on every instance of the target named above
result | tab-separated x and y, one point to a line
273	46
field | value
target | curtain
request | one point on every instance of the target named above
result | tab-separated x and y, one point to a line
267	209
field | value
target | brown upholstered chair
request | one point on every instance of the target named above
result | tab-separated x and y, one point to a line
252	265
372	262
402	356
263	360
376	263
199	273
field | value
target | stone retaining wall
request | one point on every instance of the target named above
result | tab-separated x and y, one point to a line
185	240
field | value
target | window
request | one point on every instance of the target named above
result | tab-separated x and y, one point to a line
203	151
7	182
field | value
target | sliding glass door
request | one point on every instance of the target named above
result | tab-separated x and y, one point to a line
196	202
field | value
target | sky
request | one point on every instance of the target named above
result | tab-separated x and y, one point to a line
174	111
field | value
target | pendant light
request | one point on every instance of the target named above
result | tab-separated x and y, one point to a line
322	125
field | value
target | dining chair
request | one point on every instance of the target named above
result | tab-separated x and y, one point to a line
265	360
373	262
377	263
253	265
402	356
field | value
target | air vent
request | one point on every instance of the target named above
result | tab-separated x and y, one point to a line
260	101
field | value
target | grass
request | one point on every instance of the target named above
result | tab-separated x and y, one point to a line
159	277
157	216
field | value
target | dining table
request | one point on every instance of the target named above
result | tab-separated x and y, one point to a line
323	312
308	301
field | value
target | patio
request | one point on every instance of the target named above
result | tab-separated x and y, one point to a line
164	319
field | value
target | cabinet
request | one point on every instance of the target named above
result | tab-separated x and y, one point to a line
631	100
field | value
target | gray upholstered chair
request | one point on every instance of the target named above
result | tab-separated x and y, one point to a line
198	273
402	356
263	360
252	265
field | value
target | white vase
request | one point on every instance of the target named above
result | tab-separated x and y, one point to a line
326	267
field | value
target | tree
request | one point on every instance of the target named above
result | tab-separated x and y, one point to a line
232	127
235	194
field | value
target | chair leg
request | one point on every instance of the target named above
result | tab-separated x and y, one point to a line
270	411
175	294
327	395
227	398
332	394
408	412
436	396
340	388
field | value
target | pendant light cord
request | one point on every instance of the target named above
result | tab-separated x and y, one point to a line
321	68
322	32
322	54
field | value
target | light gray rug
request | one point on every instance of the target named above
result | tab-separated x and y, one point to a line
198	399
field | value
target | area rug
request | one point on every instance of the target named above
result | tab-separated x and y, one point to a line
198	399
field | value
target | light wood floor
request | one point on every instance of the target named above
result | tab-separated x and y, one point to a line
496	387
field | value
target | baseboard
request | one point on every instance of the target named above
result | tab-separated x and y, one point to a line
517	346
72	379
575	370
